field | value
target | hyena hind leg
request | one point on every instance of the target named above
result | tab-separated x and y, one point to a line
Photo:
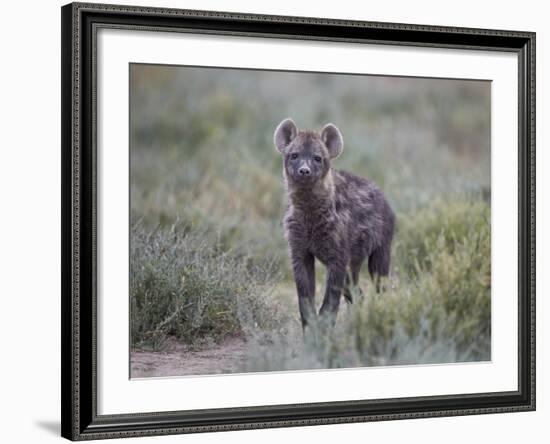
352	278
379	266
347	290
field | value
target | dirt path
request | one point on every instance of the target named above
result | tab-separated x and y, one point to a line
178	360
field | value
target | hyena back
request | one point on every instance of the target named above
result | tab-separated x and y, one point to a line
333	216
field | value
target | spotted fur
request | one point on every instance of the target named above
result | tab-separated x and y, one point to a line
333	216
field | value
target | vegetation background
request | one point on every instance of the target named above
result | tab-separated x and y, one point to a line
211	290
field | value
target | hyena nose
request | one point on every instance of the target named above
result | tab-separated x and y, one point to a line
304	171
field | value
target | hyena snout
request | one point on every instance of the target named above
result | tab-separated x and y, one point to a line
304	170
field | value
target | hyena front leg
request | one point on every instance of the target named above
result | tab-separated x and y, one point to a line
335	283
303	267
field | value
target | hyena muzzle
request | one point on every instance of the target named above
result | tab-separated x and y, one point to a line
334	216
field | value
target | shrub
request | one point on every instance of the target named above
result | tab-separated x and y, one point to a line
442	225
184	283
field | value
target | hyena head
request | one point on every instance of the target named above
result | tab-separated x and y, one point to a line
307	154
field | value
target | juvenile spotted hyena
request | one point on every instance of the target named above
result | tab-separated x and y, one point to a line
334	216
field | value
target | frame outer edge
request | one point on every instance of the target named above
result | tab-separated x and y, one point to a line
70	170
532	241
67	404
235	16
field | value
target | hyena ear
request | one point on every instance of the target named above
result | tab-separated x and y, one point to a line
284	134
333	140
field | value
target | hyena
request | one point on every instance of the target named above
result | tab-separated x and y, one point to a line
332	215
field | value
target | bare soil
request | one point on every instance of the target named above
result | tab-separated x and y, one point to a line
177	359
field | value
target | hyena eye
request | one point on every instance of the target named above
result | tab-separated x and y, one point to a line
294	156
317	159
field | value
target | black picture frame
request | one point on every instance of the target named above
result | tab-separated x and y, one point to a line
78	332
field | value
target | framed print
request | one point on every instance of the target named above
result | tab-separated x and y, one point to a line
275	221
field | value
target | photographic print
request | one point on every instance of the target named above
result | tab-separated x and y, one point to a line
288	220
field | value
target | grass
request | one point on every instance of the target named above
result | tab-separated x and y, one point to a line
186	285
208	257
